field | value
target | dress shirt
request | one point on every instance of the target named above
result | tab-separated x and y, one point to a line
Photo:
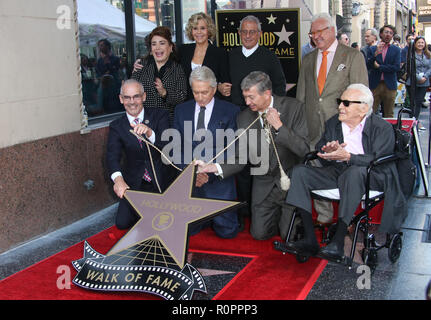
353	138
329	58
248	52
384	52
270	106
208	111
152	138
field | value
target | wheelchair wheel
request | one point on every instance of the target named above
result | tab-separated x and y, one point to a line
301	258
395	247
369	256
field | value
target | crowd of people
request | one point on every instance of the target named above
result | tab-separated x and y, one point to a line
339	92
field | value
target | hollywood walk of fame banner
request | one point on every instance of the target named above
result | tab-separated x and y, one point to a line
115	273
280	34
151	256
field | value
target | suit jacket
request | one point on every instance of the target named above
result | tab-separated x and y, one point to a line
347	67
378	140
389	67
291	141
137	159
215	59
222	118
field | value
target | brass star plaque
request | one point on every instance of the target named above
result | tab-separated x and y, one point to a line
151	256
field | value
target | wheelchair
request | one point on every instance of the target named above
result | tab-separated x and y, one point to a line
363	219
365	216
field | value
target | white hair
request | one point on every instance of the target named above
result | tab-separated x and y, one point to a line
327	17
132	81
366	95
374	32
251	18
205	74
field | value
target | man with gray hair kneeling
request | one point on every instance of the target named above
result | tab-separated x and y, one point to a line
352	139
276	139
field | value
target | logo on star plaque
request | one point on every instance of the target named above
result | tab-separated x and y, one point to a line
151	256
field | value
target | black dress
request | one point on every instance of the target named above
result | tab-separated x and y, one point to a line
215	58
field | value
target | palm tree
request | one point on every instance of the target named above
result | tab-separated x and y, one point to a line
377	14
347	17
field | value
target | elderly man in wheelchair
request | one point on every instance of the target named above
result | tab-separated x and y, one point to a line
352	140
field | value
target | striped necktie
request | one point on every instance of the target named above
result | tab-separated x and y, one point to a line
146	175
137	121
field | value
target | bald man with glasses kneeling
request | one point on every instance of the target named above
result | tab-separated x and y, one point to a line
352	139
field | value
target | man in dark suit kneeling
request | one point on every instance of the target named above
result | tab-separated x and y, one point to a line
140	172
202	123
276	141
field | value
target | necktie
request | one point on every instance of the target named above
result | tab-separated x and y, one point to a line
136	121
146	175
266	128
201	119
321	78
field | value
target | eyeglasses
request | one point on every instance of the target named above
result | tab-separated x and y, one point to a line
346	103
248	32
135	97
317	33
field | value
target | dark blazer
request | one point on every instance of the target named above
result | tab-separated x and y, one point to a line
137	159
291	141
222	118
389	67
378	140
215	58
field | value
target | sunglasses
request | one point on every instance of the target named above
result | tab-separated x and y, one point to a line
346	103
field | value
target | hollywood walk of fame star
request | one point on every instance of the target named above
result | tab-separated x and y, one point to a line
271	19
166	216
283	35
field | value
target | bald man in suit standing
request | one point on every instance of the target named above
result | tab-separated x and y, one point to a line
324	75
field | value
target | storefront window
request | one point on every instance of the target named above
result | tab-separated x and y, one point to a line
103	55
105	62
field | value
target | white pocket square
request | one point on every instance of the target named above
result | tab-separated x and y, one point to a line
341	67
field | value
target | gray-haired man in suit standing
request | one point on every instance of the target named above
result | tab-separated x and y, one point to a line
324	75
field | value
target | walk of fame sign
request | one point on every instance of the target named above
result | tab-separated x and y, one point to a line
151	256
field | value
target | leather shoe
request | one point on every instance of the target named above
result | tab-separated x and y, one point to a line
332	251
303	247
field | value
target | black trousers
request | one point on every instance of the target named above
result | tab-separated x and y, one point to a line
243	187
126	215
350	180
419	98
